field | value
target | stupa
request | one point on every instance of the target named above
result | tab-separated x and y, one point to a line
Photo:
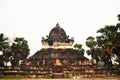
57	56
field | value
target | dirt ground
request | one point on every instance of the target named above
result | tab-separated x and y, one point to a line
74	79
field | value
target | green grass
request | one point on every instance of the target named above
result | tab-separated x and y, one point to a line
11	77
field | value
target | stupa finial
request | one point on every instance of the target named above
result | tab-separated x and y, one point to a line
57	25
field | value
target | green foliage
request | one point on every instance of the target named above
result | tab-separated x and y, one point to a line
4	47
20	46
11	77
79	48
106	46
109	42
47	76
93	50
3	42
20	50
90	42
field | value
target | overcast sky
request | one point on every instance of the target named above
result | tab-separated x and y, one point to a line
33	19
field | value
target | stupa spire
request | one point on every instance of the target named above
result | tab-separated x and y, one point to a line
57	25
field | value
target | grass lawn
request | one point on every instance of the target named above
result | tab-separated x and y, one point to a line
11	78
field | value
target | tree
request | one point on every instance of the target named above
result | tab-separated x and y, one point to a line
20	50
109	41
3	42
79	48
116	49
4	47
106	42
94	51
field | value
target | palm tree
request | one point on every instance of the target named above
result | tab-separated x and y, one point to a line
79	48
4	47
116	49
107	41
93	50
3	41
20	50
